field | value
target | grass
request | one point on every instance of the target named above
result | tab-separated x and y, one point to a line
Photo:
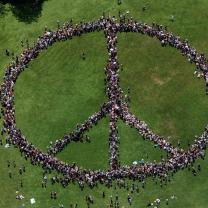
60	89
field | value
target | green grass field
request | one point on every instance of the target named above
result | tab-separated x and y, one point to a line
59	90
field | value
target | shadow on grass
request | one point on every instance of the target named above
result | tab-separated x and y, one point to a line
3	9
24	10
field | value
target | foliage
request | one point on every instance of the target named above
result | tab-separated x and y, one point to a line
25	10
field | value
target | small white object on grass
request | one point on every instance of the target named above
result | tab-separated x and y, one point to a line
172	18
32	201
173	197
21	196
157	201
135	163
7	146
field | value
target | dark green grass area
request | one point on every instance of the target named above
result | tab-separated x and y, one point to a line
59	90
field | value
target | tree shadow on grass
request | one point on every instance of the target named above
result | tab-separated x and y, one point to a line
3	9
24	10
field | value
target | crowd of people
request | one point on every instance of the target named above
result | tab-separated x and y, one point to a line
112	91
116	107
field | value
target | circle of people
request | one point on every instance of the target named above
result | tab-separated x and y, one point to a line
116	107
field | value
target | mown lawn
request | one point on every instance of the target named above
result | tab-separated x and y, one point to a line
60	89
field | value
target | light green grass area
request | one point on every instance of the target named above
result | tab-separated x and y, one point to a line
59	90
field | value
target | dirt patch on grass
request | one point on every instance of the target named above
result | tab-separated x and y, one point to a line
157	80
169	128
160	81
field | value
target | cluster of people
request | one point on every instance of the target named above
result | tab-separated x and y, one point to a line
157	202
116	107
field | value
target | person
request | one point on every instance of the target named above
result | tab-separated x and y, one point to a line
116	196
14	164
129	199
172	18
7	52
119	2
111	199
83	55
199	167
149	204
58	23
23	168
43	184
144	8
10	174
55	195
157	201
193	171
22	43
20	171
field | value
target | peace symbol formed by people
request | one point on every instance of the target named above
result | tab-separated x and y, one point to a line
116	106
